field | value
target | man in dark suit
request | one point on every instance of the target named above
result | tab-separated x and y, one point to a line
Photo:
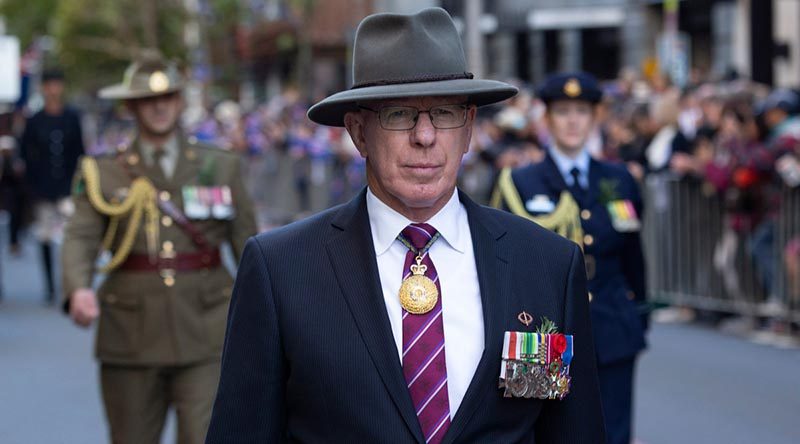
383	320
596	204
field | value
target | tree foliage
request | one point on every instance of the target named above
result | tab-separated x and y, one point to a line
97	39
27	19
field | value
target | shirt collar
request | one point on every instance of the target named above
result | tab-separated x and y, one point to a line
170	148
566	163
386	223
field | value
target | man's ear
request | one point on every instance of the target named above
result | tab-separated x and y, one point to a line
472	111
354	122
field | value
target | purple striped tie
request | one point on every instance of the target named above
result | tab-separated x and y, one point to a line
423	348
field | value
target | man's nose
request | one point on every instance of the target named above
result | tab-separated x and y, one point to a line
424	133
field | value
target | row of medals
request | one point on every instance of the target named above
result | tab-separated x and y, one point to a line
531	380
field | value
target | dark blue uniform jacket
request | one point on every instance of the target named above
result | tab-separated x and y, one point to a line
614	260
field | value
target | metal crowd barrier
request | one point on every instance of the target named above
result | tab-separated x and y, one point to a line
695	260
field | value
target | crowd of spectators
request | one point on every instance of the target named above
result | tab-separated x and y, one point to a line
739	141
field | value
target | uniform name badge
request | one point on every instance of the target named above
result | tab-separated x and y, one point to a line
208	202
623	216
536	365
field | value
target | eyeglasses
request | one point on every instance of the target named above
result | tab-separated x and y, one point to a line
401	118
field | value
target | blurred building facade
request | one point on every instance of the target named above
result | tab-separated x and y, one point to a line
310	44
527	39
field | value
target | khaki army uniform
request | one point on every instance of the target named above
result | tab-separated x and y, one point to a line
163	308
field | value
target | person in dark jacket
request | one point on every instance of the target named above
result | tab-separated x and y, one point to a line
50	147
330	340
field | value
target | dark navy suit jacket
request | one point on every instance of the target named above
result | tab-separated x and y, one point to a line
310	358
614	259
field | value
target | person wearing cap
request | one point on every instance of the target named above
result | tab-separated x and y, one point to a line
50	147
394	318
597	205
162	206
779	115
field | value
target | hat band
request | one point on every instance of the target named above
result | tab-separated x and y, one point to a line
428	78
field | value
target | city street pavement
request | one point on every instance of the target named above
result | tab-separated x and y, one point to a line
695	385
48	375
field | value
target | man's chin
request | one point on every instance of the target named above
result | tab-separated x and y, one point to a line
159	131
425	199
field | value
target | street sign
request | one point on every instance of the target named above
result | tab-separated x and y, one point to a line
9	69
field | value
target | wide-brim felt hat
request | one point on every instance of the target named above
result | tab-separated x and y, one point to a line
150	76
400	55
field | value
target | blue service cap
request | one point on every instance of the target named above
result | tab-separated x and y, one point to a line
781	98
570	86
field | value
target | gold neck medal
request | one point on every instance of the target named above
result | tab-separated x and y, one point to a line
418	293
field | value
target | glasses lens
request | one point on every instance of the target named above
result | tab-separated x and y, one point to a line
448	116
405	117
398	117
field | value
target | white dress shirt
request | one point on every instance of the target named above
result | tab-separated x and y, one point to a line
454	259
565	165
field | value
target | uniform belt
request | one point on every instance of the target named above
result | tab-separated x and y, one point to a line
176	262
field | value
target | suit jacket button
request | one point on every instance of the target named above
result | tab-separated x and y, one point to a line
631	295
588	240
586	214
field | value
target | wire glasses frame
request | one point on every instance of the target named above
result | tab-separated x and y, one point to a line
402	118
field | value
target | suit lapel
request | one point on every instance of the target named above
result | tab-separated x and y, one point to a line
349	241
494	274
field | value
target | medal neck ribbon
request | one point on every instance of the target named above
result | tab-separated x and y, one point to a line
418	251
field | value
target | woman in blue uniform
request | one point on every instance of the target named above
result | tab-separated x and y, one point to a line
598	205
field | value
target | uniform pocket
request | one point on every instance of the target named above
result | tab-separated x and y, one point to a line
214	302
120	324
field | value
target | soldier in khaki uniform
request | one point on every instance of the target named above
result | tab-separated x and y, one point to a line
162	206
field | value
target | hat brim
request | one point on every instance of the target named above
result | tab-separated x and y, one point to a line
479	92
122	92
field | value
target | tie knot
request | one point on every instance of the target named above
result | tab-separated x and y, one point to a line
418	235
576	174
